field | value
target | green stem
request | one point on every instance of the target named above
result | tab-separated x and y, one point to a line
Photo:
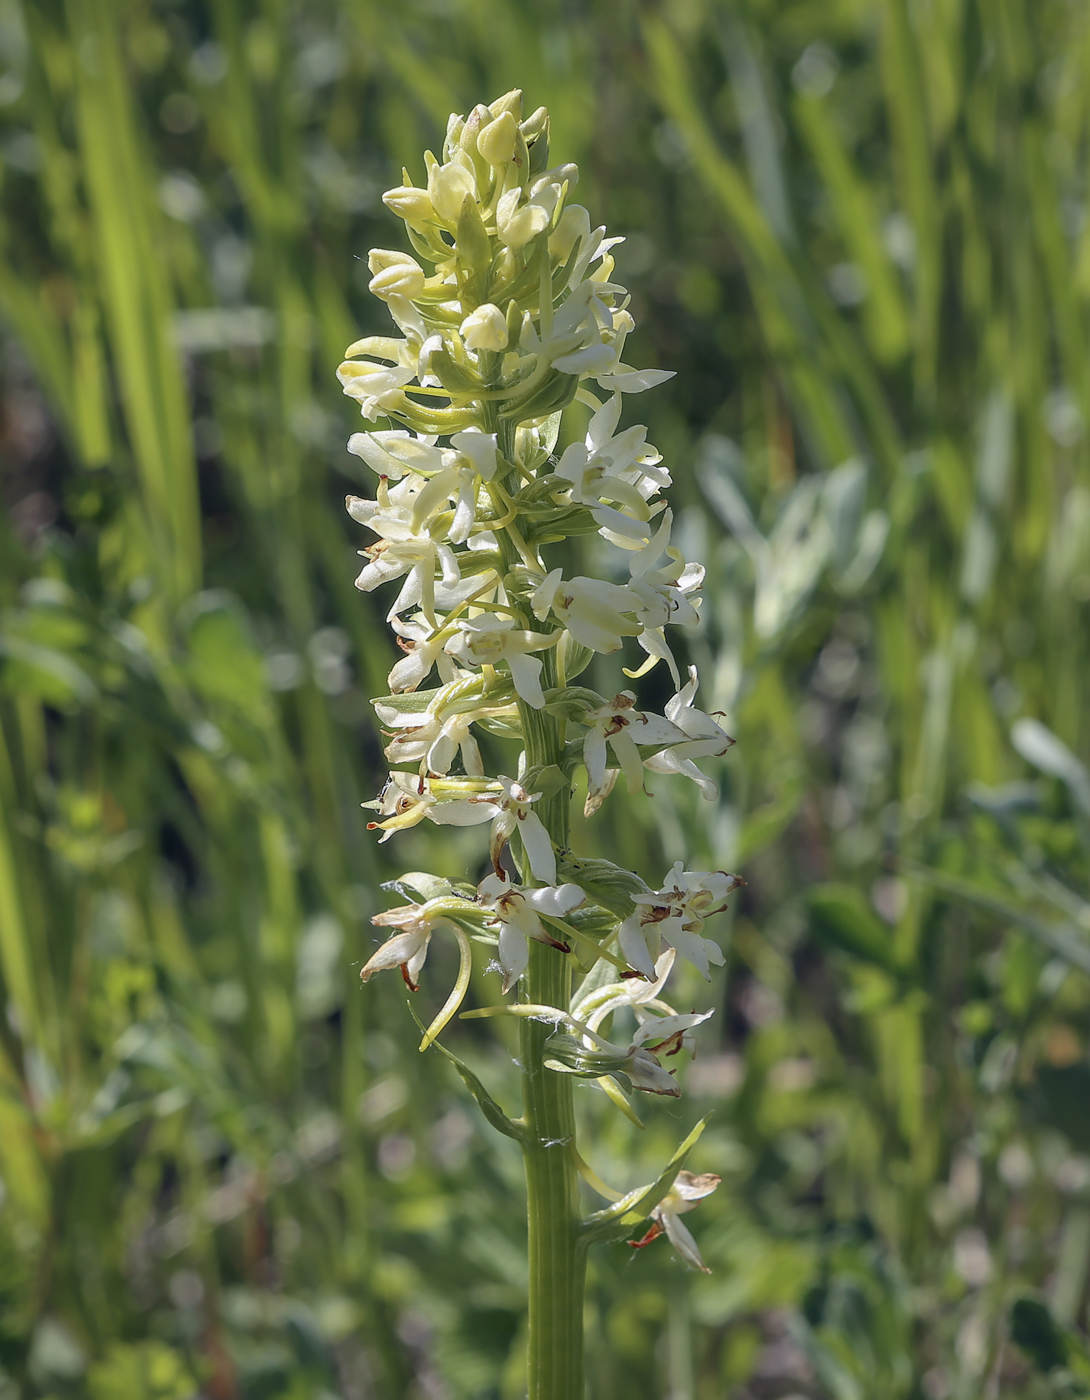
557	1261
555	1350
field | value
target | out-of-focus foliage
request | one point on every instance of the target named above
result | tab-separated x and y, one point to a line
858	232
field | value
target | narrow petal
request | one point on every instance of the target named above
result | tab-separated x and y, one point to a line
461	811
628	756
514	954
526	674
679	1236
396	952
634	947
538	847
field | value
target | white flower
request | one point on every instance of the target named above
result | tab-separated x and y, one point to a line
405	548
486	640
480	448
571	339
621	726
423	648
591	610
377	388
485	328
509	807
703	739
685	1194
639	1060
409	948
675	915
621	468
517	909
628	453
458	481
665	586
403	801
433	736
392	454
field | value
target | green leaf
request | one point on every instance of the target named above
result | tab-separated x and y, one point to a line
841	918
487	1104
606	884
1067	940
1052	1348
1059	1098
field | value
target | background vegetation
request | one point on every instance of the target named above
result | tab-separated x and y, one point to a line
858	231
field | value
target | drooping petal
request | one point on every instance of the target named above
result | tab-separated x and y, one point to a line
681	1238
538	846
403	950
633	944
526	674
514	954
556	900
658	1028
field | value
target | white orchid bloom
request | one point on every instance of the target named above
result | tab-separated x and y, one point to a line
622	727
406	549
572	339
434	735
659	1028
407	798
402	803
509	807
666	1035
433	739
686	1193
423	648
628	453
377	388
639	1060
666	587
592	484
517	911
594	612
486	640
703	739
503	802
407	949
480	448
459	482
392	454
675	916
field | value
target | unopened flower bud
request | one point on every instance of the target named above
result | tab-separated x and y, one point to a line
411	204
509	102
536	123
394	273
496	142
485	328
448	186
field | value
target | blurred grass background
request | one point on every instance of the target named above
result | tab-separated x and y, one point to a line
858	231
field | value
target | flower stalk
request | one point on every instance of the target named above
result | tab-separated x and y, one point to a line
509	312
